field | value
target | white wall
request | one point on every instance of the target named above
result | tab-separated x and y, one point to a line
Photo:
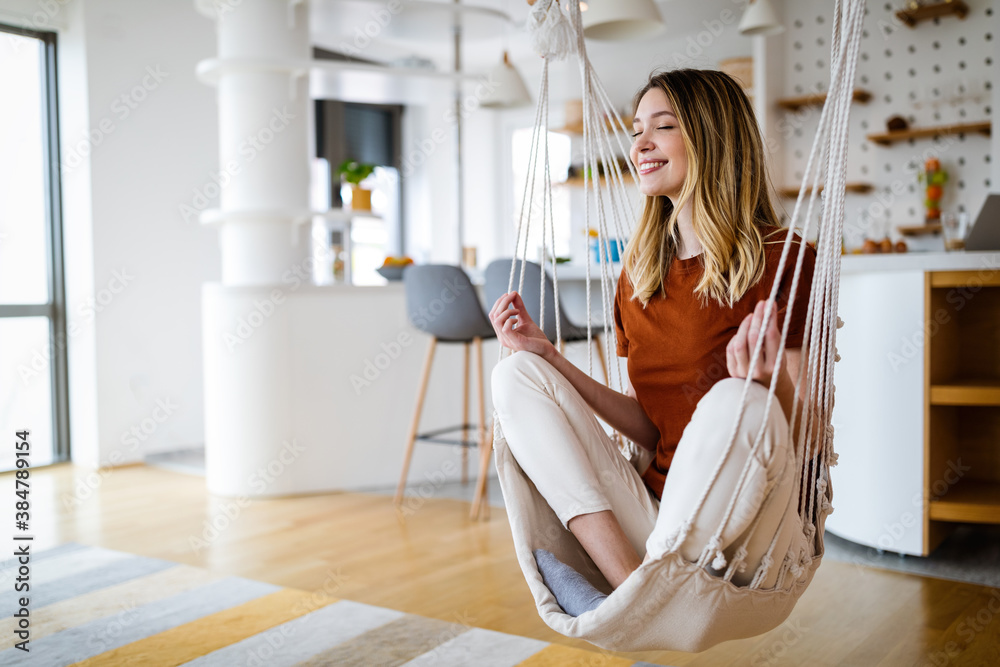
134	266
911	72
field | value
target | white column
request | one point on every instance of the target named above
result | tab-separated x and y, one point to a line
263	138
260	72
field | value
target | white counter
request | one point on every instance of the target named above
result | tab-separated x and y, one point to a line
921	261
879	413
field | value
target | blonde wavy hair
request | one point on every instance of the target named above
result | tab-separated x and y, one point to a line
726	183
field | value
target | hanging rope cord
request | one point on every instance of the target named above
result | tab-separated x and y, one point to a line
821	319
557	33
557	36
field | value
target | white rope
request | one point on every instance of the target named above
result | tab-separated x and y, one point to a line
837	99
557	33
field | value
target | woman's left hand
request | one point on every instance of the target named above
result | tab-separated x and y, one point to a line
740	348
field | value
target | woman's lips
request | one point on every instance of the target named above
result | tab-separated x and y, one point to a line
650	167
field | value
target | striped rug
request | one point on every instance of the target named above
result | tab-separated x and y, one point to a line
93	606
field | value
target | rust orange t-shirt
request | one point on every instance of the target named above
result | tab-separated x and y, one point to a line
676	345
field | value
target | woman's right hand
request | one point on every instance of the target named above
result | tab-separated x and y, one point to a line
515	328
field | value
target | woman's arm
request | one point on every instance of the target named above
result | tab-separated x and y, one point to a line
518	332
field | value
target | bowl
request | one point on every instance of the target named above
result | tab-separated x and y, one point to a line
391	273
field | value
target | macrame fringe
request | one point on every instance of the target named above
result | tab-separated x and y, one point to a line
550	31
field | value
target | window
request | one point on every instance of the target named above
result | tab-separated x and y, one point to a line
371	134
32	302
559	161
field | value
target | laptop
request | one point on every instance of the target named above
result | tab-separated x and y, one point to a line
985	232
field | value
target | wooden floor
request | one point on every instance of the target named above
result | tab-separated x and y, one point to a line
437	563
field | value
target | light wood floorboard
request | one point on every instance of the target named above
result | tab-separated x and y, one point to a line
435	562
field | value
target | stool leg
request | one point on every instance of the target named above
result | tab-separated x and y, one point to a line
485	444
465	416
485	454
415	424
600	355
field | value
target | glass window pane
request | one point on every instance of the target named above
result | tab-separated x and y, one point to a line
23	247
26	395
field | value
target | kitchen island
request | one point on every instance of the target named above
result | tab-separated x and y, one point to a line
917	415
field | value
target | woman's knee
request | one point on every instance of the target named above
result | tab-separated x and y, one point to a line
515	371
725	398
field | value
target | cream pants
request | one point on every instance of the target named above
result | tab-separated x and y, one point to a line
558	443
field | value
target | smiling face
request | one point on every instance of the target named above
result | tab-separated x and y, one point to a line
658	147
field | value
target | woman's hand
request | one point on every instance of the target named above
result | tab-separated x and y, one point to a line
515	329
740	348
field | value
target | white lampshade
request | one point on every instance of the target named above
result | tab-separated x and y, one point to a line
510	90
614	20
760	19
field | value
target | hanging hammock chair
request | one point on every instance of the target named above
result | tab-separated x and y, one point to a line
670	602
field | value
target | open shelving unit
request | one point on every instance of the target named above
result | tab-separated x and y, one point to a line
888	138
962	401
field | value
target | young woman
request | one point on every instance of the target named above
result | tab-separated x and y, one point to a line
688	312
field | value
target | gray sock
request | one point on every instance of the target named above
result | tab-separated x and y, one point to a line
573	593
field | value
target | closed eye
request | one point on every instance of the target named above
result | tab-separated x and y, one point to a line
662	127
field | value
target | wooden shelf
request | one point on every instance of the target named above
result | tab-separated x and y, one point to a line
578	128
967	392
969	501
817	99
920	230
912	17
977	279
860	188
580	181
887	138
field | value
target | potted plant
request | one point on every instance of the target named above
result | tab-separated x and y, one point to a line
353	172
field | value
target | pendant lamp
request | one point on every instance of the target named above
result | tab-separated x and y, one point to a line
510	90
614	20
760	19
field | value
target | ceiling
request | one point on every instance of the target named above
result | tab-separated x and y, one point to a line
340	25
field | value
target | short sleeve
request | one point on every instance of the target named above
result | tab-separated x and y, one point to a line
800	304
622	294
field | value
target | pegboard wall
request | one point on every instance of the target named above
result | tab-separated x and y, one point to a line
940	72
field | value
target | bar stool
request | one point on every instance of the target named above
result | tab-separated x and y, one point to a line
441	301
497	279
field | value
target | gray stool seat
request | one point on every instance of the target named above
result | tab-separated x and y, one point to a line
442	302
497	279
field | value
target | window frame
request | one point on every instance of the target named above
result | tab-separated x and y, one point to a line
55	309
